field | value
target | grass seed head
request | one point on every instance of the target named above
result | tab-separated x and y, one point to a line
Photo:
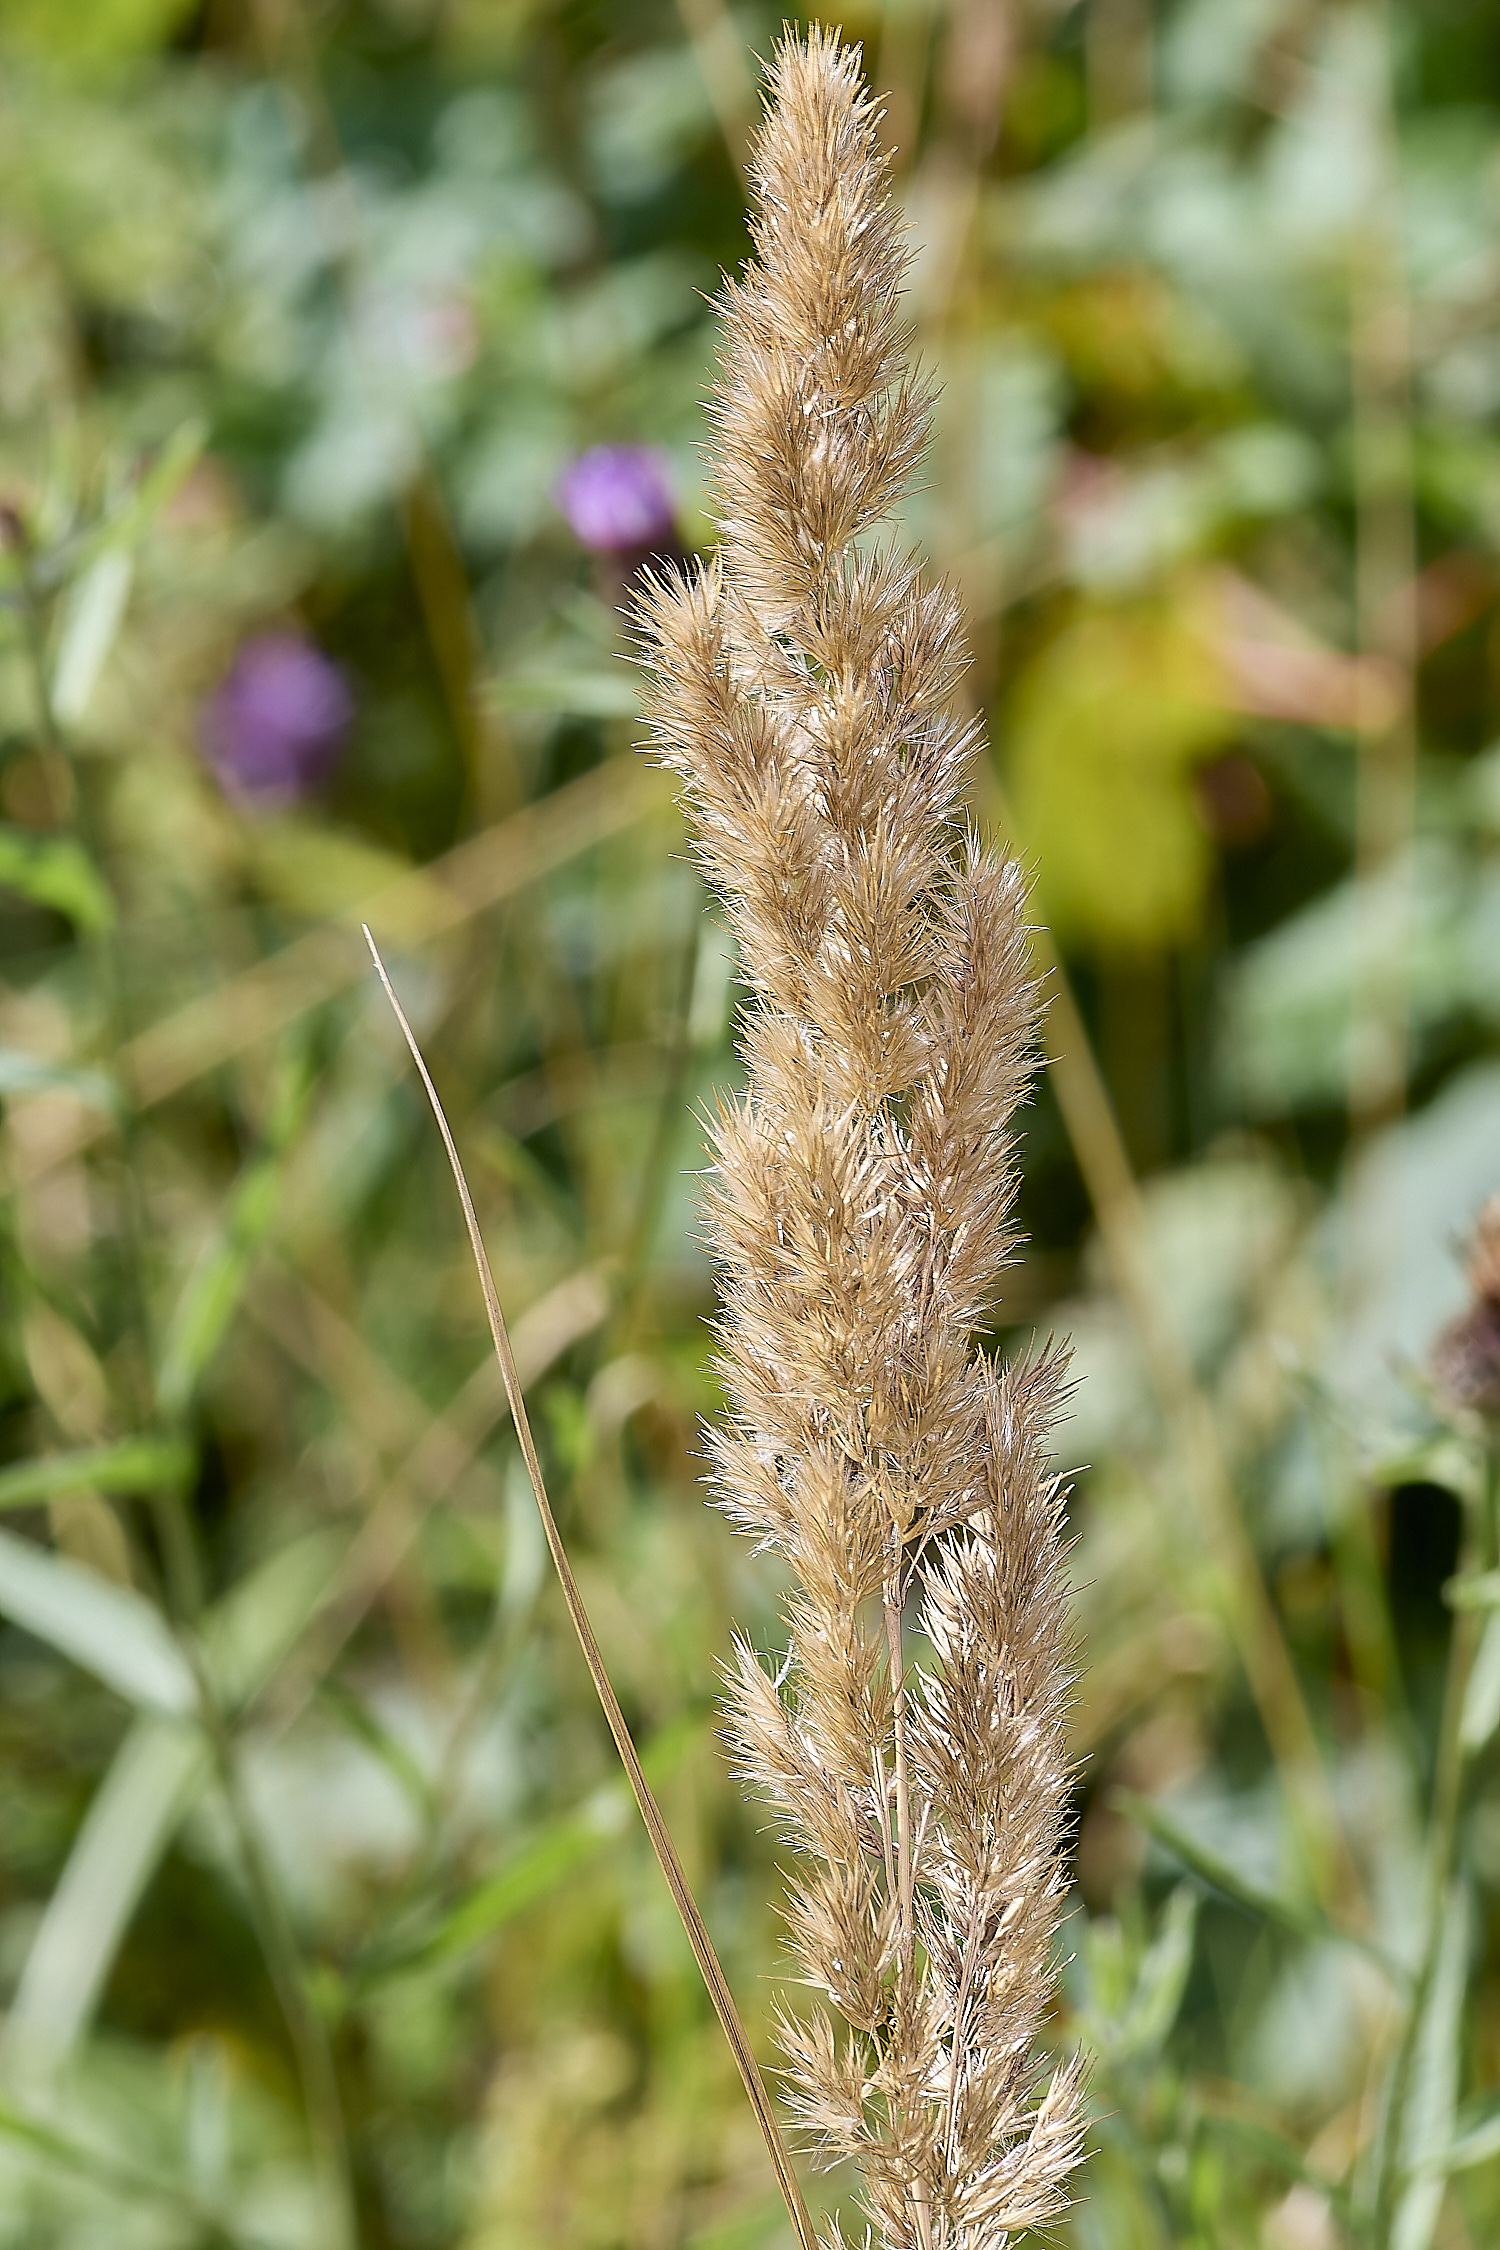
803	686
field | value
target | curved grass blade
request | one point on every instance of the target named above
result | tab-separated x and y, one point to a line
666	1852
156	1773
1476	2138
132	1464
109	1630
1432	2099
534	1868
116	2176
212	1294
1300	1918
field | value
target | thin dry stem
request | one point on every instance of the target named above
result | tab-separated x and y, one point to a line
661	1841
803	684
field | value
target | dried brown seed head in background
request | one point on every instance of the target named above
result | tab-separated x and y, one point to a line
1466	1357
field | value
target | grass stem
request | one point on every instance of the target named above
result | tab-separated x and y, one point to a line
656	1827
305	2027
1094	1133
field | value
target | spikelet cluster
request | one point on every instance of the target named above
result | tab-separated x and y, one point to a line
803	685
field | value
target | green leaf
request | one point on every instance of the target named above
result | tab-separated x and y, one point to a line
1130	1990
207	1305
128	524
1476	2140
157	1772
1162	1980
1278	2153
81	2159
1481	1591
134	1812
131	1465
580	695
107	1629
95	569
209	1301
92	614
97	32
247	1636
1301	1918
54	871
535	1868
1432	2094
1481	1713
354	1713
1106	723
1292	997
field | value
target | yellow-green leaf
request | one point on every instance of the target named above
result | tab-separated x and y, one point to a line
1104	729
54	871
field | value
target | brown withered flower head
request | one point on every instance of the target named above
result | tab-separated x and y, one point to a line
1466	1357
803	684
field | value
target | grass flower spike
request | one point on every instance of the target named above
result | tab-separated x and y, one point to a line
803	685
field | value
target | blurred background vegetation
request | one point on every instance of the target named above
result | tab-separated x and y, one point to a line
323	1917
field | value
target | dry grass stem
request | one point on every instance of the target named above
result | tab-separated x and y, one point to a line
661	1842
804	685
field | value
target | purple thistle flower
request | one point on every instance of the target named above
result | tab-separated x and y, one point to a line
618	500
274	726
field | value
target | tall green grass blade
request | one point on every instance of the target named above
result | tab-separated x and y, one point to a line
156	1773
353	1712
128	523
1157	1998
209	1301
249	1633
1432	2095
104	1628
1301	1918
130	1465
1481	1712
1476	2138
1278	2154
535	1868
93	612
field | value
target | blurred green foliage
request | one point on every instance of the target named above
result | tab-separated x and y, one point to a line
322	1913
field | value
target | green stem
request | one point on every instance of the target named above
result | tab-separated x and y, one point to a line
664	1132
174	1526
1442	1851
309	2037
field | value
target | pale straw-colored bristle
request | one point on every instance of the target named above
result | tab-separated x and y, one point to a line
802	684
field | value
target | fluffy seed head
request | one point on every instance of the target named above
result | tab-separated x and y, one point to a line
911	1741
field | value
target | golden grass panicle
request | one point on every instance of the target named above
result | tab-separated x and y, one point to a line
803	685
